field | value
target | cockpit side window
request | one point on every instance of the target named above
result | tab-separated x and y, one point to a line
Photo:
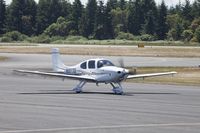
91	64
83	65
102	63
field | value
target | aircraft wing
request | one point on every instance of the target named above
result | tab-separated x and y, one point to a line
150	75
58	75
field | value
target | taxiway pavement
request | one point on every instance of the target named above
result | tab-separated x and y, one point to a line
44	60
32	104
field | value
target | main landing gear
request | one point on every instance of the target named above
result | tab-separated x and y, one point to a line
117	88
78	88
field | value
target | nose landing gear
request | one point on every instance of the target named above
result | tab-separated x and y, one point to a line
117	88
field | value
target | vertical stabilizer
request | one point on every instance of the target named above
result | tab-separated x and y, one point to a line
58	65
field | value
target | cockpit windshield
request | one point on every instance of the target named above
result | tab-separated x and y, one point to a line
102	63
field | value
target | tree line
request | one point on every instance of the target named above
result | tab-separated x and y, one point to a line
121	19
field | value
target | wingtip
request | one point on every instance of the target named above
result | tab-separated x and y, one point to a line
174	72
15	70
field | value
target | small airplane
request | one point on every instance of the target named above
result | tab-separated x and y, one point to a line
93	70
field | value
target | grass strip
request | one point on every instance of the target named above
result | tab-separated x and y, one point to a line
109	51
2	58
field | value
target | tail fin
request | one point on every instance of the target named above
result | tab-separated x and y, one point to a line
58	65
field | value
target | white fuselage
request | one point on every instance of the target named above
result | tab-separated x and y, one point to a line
103	73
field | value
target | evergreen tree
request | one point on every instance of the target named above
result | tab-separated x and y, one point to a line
2	15
66	9
42	17
21	16
55	10
48	12
175	23
15	13
77	8
119	20
146	6
29	17
179	30
149	26
178	8
113	4
109	29
187	10
91	10
149	14
162	21
83	23
122	4
197	34
100	20
196	9
134	17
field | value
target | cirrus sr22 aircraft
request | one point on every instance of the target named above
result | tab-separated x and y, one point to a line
92	70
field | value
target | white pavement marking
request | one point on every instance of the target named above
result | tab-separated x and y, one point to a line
102	127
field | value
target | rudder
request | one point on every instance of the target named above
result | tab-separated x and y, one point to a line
58	65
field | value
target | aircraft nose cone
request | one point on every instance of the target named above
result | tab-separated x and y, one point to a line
123	71
126	71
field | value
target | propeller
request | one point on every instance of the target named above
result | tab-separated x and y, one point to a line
121	62
131	70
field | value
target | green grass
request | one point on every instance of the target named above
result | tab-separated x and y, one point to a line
18	44
10	38
83	40
126	42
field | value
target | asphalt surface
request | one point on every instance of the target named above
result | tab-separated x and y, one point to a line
42	60
32	104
